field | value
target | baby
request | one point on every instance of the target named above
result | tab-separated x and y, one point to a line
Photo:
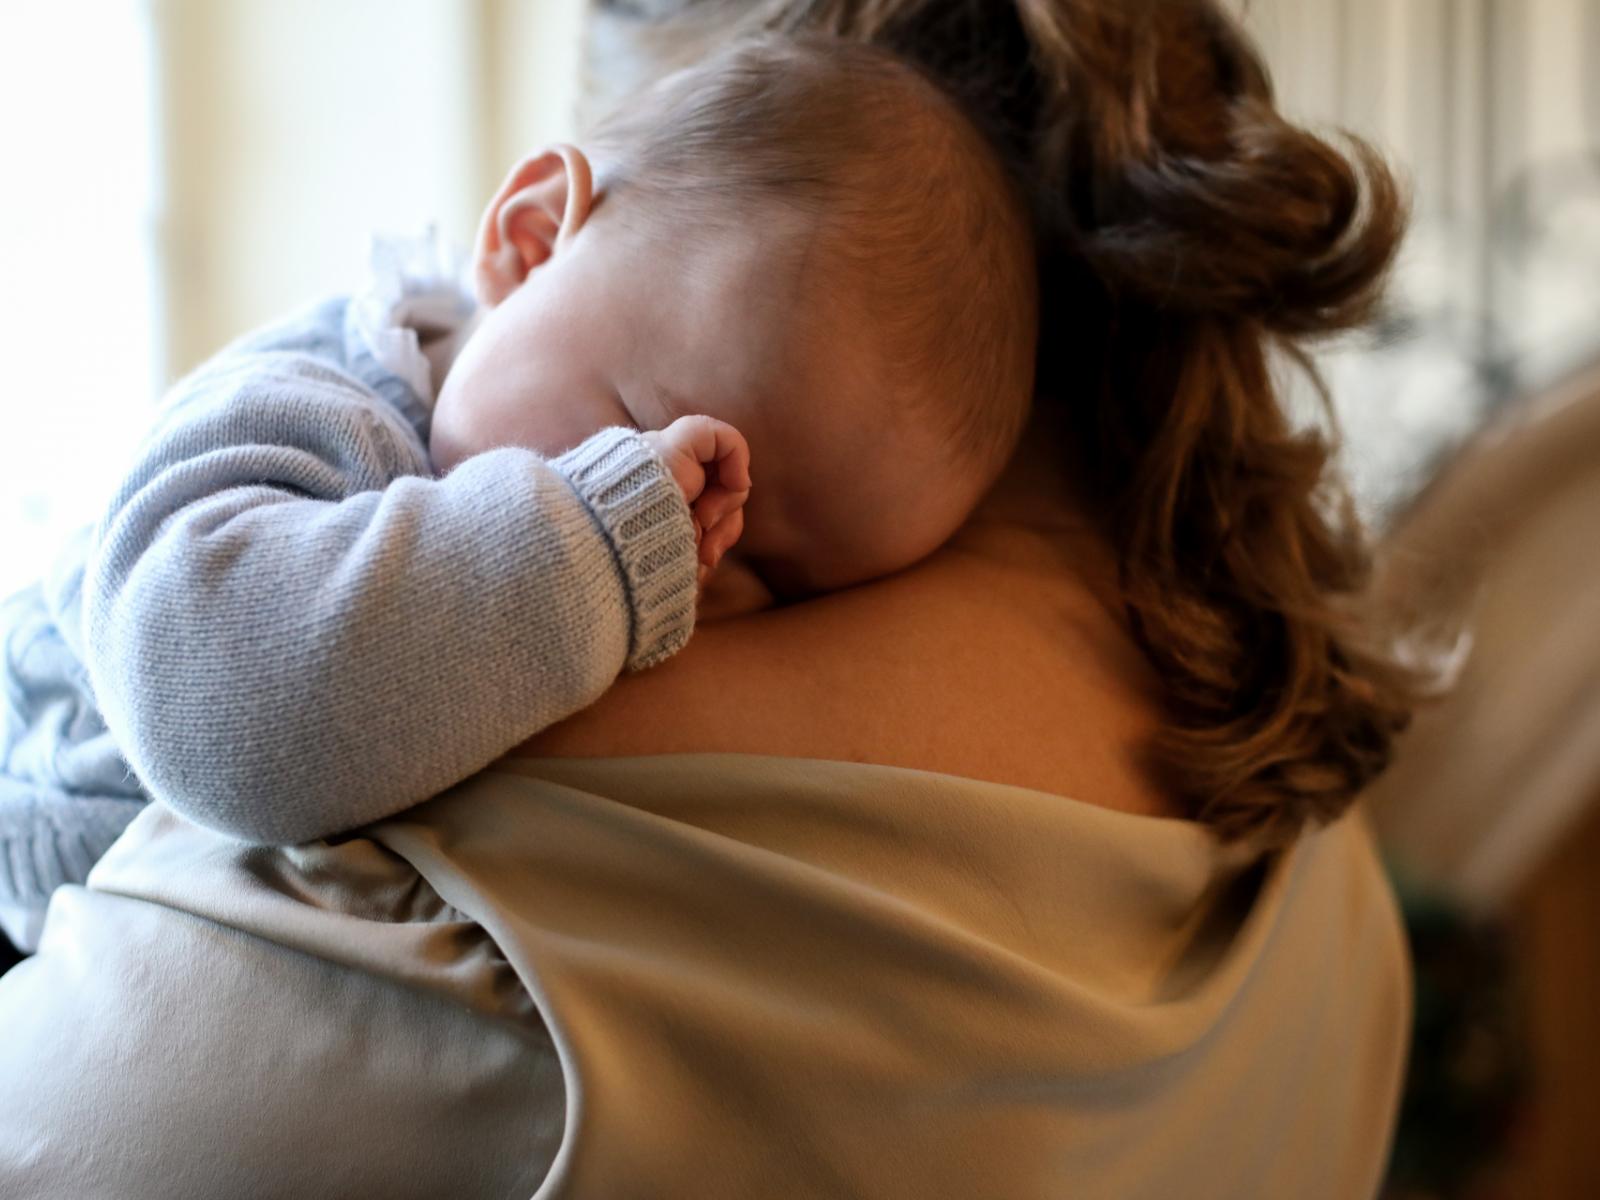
804	240
324	594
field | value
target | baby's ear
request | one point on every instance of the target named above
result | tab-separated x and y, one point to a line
543	202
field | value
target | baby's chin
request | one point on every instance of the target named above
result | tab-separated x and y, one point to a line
793	578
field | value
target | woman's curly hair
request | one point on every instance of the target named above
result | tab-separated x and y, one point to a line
1186	229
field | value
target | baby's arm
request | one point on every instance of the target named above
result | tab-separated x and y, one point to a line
292	629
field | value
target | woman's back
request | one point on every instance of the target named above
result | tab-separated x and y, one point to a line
716	975
995	659
1189	991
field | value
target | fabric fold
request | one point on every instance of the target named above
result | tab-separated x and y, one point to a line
758	976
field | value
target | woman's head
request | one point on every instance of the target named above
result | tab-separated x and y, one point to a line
1185	228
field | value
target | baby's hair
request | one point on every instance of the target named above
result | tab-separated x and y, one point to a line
918	225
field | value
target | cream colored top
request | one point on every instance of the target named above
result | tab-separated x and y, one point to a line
770	976
709	976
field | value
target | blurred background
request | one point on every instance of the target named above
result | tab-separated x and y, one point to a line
178	171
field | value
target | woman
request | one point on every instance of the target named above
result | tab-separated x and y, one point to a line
1024	872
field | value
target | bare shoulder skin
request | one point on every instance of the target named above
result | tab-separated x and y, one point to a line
999	657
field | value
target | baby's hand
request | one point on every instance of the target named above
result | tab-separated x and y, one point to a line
710	462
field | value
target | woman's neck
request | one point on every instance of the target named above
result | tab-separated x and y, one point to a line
1034	515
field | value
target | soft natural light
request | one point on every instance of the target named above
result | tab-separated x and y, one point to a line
78	301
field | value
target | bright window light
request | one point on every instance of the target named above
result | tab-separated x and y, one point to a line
78	294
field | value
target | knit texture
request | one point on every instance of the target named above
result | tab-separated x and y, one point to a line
290	628
65	792
643	523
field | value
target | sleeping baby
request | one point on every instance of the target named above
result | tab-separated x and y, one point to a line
779	309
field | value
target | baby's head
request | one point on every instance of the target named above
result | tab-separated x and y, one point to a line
802	238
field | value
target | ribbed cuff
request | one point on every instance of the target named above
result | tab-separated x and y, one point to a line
638	504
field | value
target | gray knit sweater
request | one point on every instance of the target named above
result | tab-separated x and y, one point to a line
290	628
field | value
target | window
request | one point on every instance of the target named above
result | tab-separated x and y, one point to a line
79	302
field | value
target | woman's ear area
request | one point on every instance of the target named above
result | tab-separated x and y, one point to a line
545	199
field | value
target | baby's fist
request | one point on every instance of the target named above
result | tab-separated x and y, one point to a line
710	462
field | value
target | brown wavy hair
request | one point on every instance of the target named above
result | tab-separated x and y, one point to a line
1186	229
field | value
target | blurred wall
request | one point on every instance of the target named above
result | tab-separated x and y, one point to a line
292	129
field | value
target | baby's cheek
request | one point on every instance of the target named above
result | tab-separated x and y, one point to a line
455	430
476	415
445	448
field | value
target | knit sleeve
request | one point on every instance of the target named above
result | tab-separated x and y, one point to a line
292	629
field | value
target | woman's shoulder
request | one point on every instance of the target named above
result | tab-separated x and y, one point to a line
992	659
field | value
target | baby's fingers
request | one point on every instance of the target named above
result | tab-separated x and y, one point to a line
733	460
713	442
721	537
715	503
